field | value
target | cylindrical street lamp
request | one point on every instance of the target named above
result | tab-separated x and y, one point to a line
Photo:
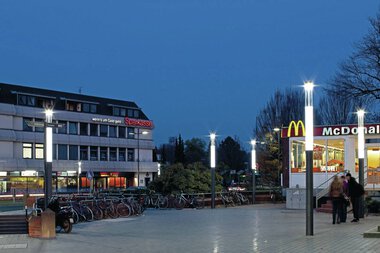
79	172
309	143
138	152
212	165
360	114
48	154
253	167
277	130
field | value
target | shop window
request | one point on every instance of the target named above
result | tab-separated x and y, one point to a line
83	127
103	154
27	150
131	132
103	130
93	153
112	131
73	128
39	151
94	129
83	152
63	129
39	125
122	154
27	124
62	152
121	132
73	152
113	154
131	155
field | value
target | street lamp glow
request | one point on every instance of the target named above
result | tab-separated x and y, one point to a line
144	132
309	116
49	115
49	144
253	155
276	129
79	167
361	141
212	150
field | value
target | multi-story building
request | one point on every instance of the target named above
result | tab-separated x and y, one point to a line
111	139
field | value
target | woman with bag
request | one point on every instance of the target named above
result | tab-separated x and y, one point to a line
336	191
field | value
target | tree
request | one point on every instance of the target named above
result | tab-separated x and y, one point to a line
359	75
179	150
195	150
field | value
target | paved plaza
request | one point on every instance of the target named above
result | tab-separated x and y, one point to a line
259	228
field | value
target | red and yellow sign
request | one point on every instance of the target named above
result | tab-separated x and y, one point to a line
296	129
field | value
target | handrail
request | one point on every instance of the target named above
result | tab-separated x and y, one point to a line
319	186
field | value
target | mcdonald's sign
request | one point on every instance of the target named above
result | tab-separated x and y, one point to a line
297	127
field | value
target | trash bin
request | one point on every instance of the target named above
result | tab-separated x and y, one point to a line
48	224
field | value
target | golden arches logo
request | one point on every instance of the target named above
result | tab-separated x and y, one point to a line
296	128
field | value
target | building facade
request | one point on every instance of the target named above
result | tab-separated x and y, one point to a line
335	151
111	139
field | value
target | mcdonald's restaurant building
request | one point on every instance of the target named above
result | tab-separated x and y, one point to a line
335	150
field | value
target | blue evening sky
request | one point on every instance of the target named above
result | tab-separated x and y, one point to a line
192	65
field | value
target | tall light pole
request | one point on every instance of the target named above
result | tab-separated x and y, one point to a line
254	168
277	131
48	154
309	143
79	172
361	150
212	166
138	151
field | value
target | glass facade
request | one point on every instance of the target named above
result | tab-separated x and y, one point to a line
73	128
103	130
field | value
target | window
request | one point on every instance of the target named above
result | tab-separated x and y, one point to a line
26	100
62	152
122	154
112	130
27	150
83	128
73	152
93	108
83	152
131	132
103	154
116	111
103	130
73	128
62	130
38	127
93	153
113	156
39	151
73	106
131	155
130	113
54	152
26	122
121	132
136	113
45	103
94	130
86	107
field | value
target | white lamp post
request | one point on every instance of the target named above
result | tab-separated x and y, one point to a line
212	165
254	168
360	114
309	143
79	172
48	154
138	133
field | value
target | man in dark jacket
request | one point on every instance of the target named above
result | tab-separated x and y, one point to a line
355	191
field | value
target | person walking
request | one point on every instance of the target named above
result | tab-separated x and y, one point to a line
355	191
336	191
345	195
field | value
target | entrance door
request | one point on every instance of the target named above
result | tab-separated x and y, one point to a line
373	165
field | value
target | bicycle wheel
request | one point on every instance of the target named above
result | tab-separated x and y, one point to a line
75	216
200	202
123	210
163	202
98	213
87	213
179	203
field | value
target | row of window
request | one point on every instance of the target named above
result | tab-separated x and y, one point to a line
75	152
74	106
81	128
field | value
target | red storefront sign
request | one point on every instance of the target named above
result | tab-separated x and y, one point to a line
139	123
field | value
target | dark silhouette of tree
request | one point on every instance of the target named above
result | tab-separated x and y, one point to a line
179	150
195	151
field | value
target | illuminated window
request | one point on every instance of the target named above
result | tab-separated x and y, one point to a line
27	150
39	151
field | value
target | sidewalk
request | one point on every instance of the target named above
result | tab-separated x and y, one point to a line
260	228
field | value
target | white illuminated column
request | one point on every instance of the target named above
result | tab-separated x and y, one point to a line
212	165
79	172
254	168
309	143
361	141
48	154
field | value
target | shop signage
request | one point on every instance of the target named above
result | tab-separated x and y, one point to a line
3	173
107	120
297	129
139	123
28	173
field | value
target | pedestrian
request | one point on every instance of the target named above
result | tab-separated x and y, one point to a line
345	203
355	191
336	191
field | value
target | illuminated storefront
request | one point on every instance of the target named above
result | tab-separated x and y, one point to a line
335	151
